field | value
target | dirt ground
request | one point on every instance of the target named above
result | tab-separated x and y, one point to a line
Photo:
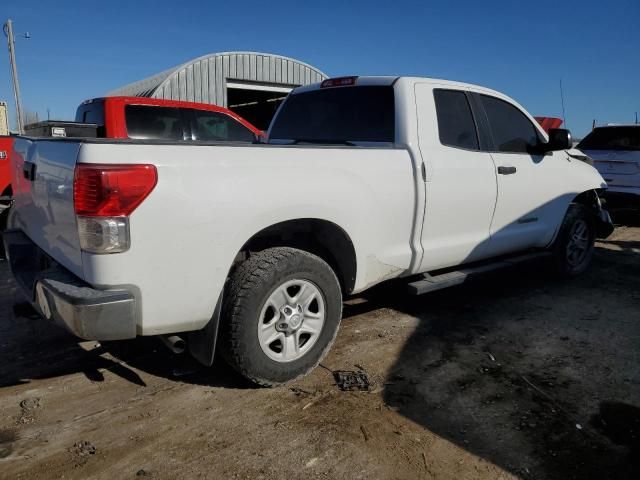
518	375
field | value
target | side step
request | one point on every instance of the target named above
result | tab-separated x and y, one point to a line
431	283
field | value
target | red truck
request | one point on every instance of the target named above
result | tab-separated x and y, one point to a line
6	144
548	123
156	119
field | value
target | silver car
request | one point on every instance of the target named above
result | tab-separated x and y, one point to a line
615	151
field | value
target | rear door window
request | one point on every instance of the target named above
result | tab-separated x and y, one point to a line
148	122
511	130
612	138
219	127
455	121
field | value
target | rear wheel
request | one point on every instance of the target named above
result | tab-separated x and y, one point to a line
280	315
574	246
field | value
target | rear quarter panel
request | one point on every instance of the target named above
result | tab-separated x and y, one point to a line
211	199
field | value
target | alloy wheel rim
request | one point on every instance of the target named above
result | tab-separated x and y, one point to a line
291	320
578	244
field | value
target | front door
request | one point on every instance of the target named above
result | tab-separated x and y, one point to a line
524	215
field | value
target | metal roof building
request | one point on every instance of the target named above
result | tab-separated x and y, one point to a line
250	83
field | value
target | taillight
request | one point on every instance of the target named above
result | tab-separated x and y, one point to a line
104	196
111	190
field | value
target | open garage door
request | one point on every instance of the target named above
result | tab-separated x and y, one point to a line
254	102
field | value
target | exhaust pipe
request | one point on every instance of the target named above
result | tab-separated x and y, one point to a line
174	343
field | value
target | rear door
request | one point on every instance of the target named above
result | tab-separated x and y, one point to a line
527	185
460	179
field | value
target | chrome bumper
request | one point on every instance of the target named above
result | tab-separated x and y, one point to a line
63	298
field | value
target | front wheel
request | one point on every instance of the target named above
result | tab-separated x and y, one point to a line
574	246
280	315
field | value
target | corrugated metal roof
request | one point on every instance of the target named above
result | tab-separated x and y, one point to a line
204	79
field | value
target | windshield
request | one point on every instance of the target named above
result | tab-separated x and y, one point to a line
612	138
338	115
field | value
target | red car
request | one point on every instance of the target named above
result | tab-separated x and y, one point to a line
6	144
155	119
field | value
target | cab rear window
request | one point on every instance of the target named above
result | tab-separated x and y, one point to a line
337	115
91	112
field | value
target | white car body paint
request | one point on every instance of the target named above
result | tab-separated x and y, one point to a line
211	199
616	157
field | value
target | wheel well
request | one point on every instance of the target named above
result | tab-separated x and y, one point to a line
7	192
320	237
589	199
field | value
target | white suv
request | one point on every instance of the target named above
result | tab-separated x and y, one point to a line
615	151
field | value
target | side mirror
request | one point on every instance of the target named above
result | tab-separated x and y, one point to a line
559	139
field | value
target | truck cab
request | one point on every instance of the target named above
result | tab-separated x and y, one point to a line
154	119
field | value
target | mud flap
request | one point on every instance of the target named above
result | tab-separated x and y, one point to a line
604	225
202	343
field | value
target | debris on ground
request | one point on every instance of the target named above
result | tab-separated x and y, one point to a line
299	391
83	449
348	380
27	410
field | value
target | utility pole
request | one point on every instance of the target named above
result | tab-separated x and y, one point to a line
8	31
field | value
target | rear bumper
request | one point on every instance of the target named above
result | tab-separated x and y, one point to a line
63	298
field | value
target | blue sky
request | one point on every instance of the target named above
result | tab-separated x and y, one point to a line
82	49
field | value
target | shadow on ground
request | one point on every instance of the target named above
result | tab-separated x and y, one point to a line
538	375
34	349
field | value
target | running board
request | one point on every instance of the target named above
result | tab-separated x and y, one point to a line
431	283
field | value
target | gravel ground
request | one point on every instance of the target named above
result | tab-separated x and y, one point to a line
517	375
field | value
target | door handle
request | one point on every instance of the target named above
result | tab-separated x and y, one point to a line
506	170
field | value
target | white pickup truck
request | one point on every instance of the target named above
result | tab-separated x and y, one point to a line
252	247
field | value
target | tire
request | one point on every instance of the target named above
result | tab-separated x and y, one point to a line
254	311
573	248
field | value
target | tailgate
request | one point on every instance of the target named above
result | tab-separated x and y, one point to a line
42	173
